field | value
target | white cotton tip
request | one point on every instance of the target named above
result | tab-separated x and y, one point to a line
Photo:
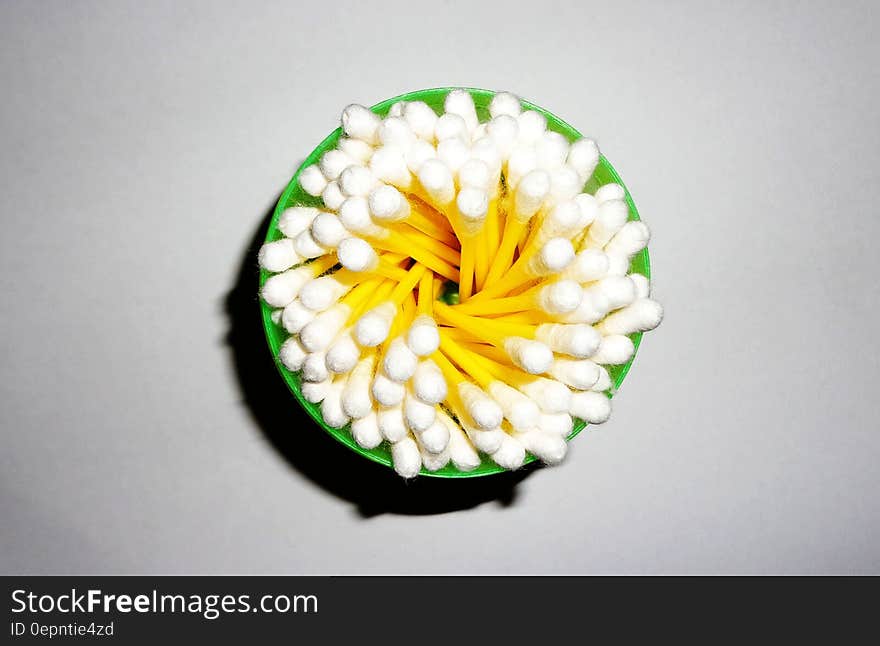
461	452
275	316
603	383
400	362
487	441
560	297
579	374
357	149
521	162
532	126
503	130
315	367
312	180
396	132
292	354
451	126
389	165
563	220
432	461
357	255
423	338
333	162
319	333
641	315
343	354
436	179
307	247
549	448
357	181
428	383
474	173
315	391
485	411
643	285
473	205
510	455
610	219
365	431
296	219
328	231
576	340
332	196
486	151
419	416
610	192
320	293
552	396
530	194
373	327
565	184
387	392
592	407
397	109
435	438
632	238
551	149
583	156
354	214
461	103
518	409
453	152
594	306
387	204
280	289
331	407
357	401
359	123
614	350
406	458
553	257
532	356
505	103
589	208
619	290
278	256
391	424
421	118
420	152
559	424
588	265
295	316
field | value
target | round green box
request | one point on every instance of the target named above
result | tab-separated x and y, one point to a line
294	195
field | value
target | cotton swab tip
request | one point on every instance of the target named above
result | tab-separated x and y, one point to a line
400	362
356	254
360	123
423	337
532	356
278	256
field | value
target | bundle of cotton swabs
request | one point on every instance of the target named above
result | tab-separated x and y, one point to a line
417	201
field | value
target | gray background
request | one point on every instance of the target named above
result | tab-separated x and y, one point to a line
144	430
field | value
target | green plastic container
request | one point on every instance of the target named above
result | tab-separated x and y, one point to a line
294	195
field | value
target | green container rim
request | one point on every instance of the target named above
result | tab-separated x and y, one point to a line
294	195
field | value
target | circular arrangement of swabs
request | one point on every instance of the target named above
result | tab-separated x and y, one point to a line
456	285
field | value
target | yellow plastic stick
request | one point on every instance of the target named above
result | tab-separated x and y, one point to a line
426	293
423	256
466	282
404	288
513	228
465	361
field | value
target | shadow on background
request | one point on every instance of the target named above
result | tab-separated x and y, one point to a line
373	488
